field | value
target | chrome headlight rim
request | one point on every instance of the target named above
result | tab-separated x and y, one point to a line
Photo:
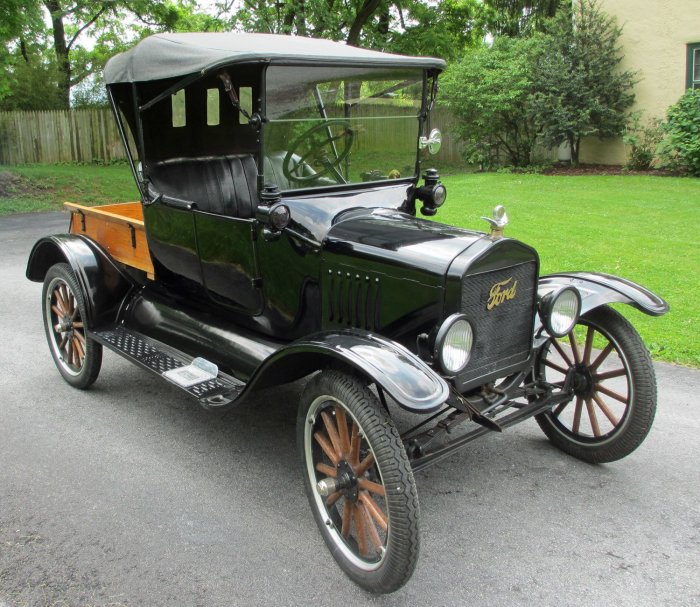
548	308
449	324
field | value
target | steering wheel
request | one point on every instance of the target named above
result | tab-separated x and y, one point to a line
317	149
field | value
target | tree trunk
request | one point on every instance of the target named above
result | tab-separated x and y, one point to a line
61	49
301	19
23	49
289	15
363	15
574	144
384	22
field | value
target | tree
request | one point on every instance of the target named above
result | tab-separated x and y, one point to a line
14	15
355	21
34	86
444	30
490	91
32	48
517	17
580	89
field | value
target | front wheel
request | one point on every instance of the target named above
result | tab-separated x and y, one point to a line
358	481
614	401
77	356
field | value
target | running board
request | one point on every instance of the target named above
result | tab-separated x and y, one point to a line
157	357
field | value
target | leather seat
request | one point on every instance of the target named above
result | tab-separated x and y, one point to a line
226	185
274	173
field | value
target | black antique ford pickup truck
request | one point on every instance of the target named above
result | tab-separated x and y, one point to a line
277	237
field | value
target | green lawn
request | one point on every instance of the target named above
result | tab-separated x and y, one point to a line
47	187
642	228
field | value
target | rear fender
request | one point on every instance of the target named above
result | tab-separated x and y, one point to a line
598	289
103	284
400	373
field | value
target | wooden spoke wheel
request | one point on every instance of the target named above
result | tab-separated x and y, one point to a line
359	482
614	387
76	355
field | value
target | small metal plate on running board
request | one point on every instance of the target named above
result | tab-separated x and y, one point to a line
198	371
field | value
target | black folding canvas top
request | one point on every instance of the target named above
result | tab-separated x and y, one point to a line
170	55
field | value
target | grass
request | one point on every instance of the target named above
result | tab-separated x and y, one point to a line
639	227
31	188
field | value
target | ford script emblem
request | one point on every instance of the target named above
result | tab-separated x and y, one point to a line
500	292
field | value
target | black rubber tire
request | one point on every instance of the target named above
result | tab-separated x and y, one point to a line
84	376
392	469
634	425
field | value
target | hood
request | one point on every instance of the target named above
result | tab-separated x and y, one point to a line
397	238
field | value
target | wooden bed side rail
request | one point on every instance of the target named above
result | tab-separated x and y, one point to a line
123	212
118	228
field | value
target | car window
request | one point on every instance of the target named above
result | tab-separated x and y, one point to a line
329	126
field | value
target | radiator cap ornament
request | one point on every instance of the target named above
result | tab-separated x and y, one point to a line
498	222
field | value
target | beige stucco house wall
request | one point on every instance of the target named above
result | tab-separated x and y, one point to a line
654	41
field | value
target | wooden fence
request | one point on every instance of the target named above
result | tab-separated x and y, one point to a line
59	136
92	136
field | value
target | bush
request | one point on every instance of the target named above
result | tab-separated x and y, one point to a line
643	139
681	148
490	92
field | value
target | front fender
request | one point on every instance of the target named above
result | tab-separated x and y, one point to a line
104	286
598	289
400	373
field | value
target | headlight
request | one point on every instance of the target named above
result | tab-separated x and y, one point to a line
560	310
439	195
453	344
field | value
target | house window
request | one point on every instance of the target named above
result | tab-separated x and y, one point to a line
693	80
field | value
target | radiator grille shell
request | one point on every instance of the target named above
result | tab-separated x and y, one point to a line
503	334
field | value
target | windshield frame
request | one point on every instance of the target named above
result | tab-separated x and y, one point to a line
422	119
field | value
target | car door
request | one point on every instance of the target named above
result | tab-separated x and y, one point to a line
228	261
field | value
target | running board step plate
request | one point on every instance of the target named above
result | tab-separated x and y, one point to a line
155	356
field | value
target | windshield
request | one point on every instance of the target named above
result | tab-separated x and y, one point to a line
329	125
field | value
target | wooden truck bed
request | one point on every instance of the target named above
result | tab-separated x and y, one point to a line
116	227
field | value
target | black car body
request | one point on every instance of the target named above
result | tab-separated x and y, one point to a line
285	241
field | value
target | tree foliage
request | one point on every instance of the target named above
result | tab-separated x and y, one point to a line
51	46
358	22
491	91
65	43
517	17
580	88
445	29
441	28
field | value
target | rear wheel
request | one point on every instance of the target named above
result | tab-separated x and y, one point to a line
614	384
358	481
77	356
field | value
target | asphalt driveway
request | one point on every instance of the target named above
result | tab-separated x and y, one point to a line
129	494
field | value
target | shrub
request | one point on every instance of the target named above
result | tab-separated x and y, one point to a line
681	148
643	139
490	92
